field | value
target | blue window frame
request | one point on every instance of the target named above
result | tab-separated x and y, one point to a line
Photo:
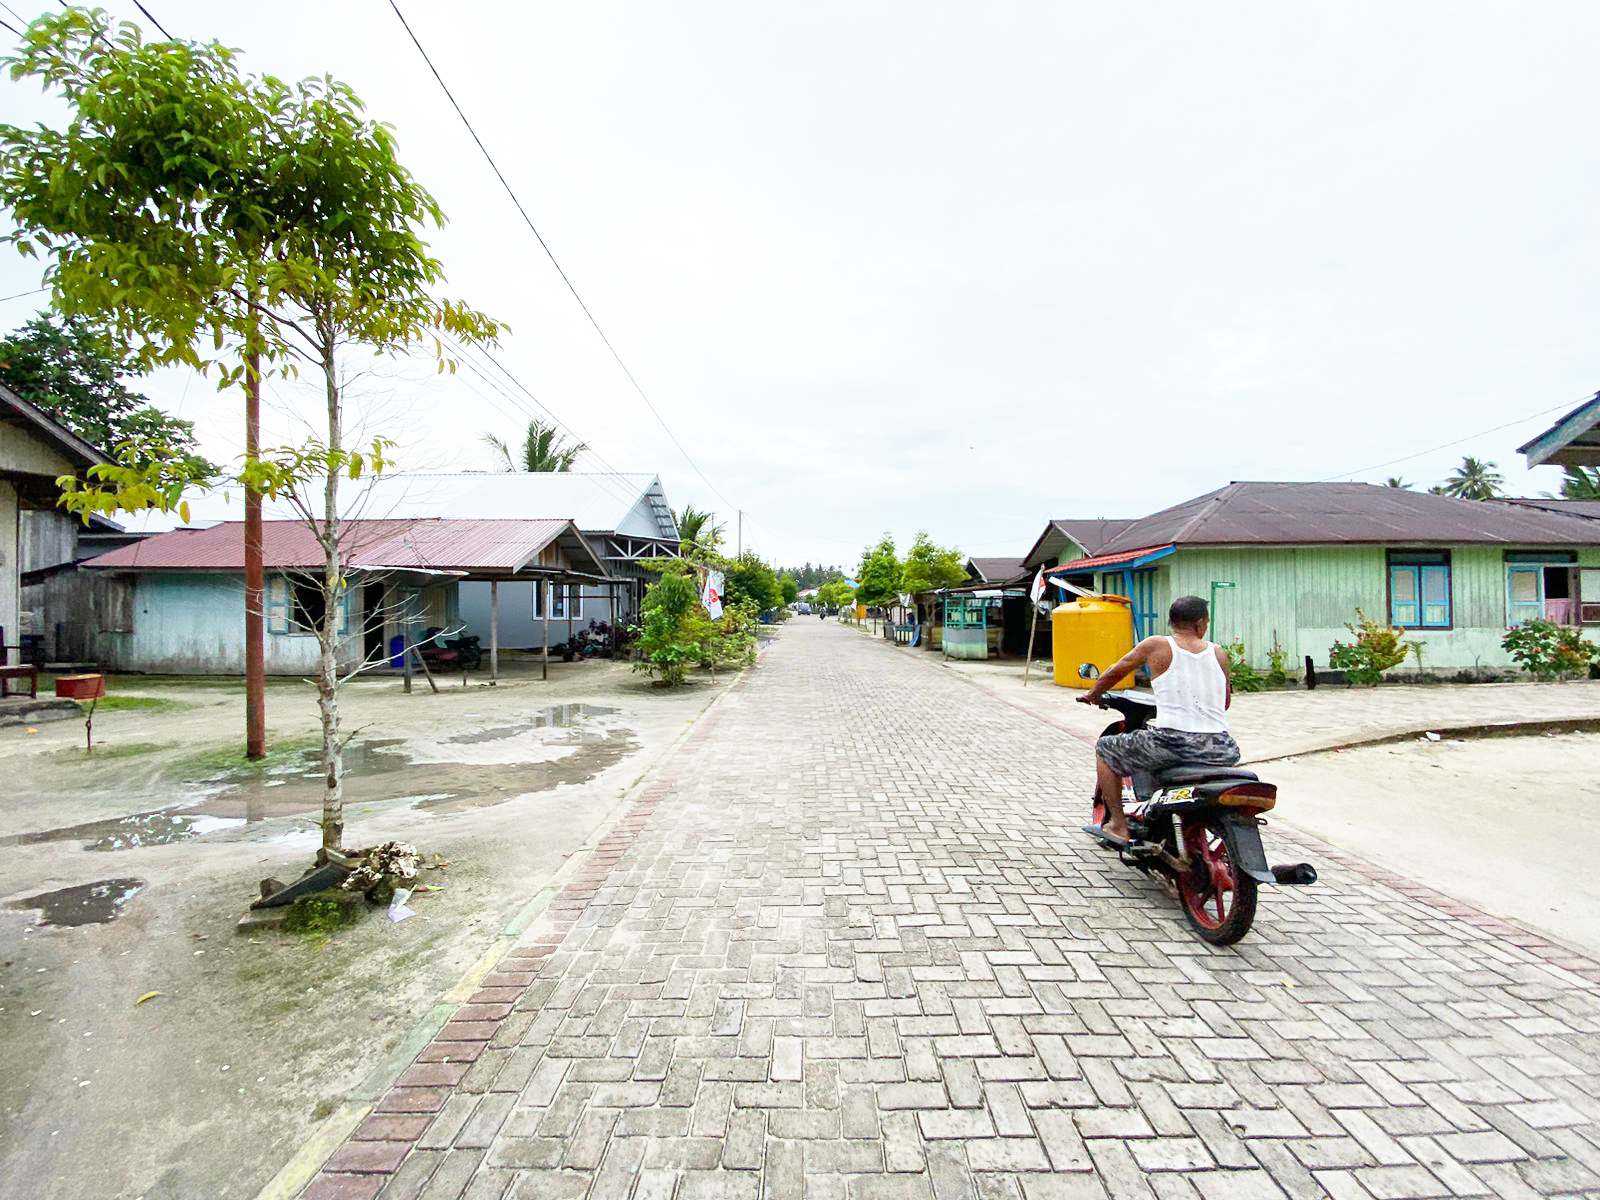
1419	589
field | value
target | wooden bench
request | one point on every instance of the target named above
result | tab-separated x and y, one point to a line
28	672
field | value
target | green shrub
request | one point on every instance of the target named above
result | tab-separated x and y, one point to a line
1245	677
1549	651
1375	650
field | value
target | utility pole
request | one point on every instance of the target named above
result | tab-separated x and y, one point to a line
740	553
255	666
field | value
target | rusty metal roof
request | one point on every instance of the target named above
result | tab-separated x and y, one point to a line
436	544
1128	558
1309	514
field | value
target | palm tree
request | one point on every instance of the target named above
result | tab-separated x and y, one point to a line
543	449
1474	479
1581	484
1395	481
696	528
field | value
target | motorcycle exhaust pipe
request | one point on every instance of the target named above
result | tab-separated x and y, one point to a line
1295	874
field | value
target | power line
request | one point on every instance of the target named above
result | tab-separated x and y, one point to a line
153	21
20	295
529	222
465	358
1445	446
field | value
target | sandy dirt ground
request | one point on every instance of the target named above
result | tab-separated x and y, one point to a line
207	1088
1505	824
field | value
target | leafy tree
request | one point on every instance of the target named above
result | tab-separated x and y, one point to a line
670	617
928	567
879	577
698	530
747	578
836	593
790	588
543	450
1394	481
1474	479
75	374
287	230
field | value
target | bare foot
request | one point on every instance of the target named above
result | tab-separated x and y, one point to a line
1117	828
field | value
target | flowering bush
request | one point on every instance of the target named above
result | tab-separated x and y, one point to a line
1375	650
1549	651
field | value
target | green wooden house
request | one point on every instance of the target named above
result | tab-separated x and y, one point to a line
1290	563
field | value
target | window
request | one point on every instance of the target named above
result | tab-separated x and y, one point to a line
295	606
1419	589
565	602
1549	585
307	606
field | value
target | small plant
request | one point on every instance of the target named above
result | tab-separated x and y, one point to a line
1549	651
1245	677
1277	664
322	913
1375	650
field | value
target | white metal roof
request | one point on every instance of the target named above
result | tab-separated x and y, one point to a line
633	504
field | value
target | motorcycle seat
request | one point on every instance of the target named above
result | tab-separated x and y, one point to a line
1174	776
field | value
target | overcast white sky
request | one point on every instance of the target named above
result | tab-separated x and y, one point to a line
967	267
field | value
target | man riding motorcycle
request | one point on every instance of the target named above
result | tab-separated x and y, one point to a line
1190	678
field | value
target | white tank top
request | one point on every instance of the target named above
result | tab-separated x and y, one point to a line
1192	694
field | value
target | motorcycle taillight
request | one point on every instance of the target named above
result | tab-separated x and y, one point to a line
1259	796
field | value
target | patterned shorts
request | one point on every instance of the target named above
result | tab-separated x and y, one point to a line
1151	749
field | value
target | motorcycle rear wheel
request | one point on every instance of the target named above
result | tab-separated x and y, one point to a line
1219	899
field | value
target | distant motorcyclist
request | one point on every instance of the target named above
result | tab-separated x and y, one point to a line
1193	687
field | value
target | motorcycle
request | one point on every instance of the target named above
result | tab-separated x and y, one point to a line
597	641
460	653
1196	829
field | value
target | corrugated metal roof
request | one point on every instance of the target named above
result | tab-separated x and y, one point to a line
487	546
996	570
1309	514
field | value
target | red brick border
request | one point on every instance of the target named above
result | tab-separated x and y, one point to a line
360	1168
1540	947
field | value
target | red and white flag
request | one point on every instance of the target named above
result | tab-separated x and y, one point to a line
1036	592
711	594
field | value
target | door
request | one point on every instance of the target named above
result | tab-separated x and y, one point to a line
372	623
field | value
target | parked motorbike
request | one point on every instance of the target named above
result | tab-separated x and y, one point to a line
1197	830
597	640
459	653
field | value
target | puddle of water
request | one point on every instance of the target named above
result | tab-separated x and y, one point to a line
236	803
158	828
85	904
560	716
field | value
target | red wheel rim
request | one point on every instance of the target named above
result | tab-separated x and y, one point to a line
1209	886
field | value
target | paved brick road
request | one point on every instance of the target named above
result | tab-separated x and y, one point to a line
849	944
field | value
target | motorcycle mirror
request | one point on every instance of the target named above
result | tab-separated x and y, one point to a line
1088	671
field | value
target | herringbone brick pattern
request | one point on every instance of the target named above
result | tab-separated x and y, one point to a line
852	945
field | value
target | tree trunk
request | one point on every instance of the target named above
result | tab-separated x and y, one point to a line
328	632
